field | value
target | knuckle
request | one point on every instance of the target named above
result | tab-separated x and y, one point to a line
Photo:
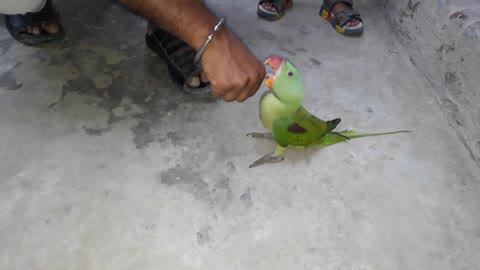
238	84
245	97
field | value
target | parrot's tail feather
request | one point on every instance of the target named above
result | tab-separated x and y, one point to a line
332	124
345	135
352	134
341	135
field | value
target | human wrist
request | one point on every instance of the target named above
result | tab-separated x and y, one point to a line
216	32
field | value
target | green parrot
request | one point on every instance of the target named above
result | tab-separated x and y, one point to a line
290	124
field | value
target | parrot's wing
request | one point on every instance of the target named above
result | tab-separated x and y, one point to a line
301	129
304	118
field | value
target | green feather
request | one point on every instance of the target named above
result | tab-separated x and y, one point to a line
345	135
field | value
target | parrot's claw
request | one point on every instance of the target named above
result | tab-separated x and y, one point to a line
267	135
268	158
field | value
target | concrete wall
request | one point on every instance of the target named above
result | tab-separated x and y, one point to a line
444	40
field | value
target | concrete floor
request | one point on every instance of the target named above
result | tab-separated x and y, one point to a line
106	165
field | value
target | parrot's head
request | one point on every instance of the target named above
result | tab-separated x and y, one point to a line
285	81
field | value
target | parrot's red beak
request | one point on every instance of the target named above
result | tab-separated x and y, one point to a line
269	79
274	62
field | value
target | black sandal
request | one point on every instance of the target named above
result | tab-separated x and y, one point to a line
179	57
17	24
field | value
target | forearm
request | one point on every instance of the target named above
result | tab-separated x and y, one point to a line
189	20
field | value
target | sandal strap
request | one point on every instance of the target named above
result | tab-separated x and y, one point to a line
178	54
343	17
328	4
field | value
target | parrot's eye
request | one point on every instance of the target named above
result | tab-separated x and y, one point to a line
290	74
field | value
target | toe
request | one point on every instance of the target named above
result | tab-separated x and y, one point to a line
51	28
353	23
268	6
36	30
203	77
194	82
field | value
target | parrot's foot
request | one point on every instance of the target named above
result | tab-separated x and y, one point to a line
268	135
269	158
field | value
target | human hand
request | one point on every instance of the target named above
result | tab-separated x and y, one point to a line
232	70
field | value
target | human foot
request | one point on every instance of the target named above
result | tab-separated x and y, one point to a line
35	28
341	7
43	27
342	16
272	10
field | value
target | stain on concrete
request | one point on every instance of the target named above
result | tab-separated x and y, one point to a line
451	77
96	75
8	80
246	198
403	33
185	179
301	49
223	182
231	167
413	61
369	110
85	61
96	131
142	134
167	105
293	53
221	194
412	6
174	137
120	111
450	48
63	93
267	35
134	87
56	60
453	110
81	86
206	184
109	86
440	49
410	10
150	227
304	31
446	48
203	236
315	61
